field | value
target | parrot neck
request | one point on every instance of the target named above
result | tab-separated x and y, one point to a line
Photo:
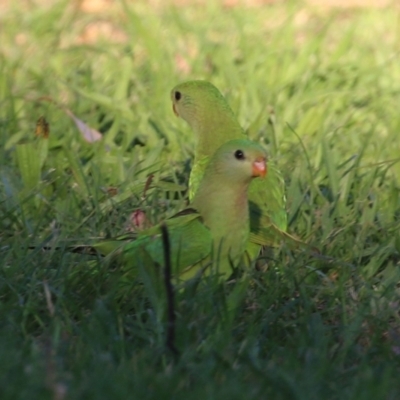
224	209
213	130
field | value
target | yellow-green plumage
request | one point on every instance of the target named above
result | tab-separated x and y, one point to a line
213	232
207	112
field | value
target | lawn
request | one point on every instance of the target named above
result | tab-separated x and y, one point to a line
319	87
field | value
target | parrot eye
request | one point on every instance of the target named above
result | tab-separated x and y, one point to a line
178	95
239	155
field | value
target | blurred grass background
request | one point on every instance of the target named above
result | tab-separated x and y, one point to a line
318	85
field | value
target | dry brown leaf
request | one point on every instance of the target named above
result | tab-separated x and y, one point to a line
89	134
42	128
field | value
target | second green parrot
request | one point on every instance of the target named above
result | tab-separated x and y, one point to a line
213	232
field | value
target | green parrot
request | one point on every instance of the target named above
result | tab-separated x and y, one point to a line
213	232
213	122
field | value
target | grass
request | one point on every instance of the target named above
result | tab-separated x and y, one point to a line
319	87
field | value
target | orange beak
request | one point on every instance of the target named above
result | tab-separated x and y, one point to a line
259	167
174	110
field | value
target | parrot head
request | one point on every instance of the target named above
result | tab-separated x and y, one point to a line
240	160
194	100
